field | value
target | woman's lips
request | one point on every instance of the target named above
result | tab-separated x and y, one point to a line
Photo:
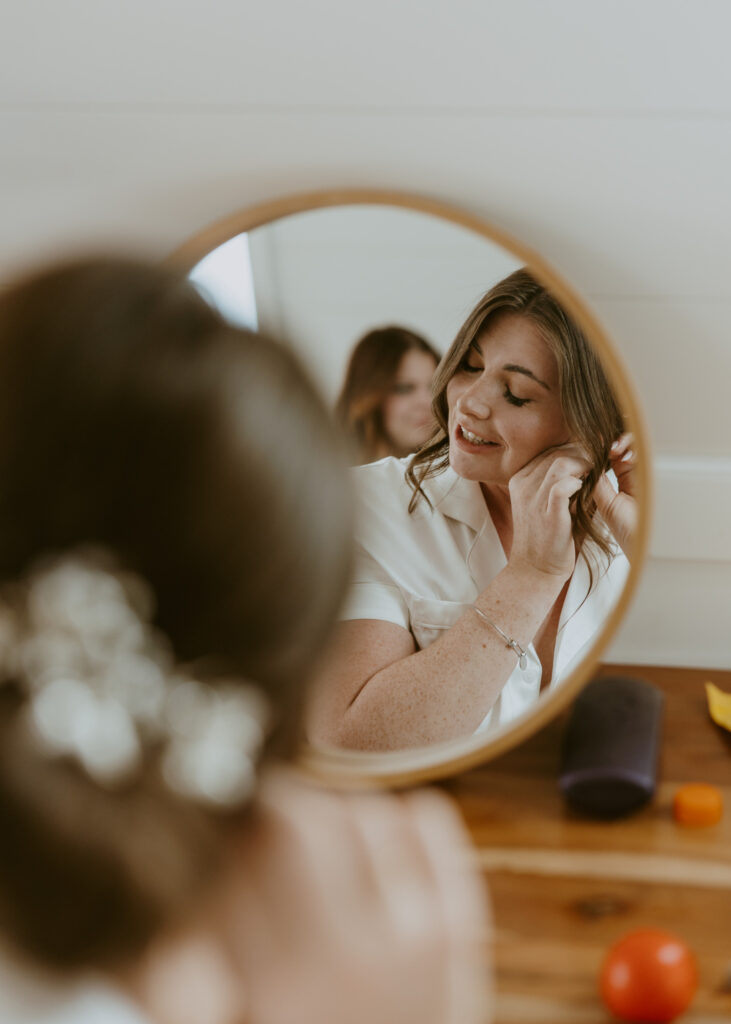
483	445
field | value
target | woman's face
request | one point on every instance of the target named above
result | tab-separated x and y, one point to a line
407	415
503	402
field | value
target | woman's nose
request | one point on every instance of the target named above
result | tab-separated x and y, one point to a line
475	402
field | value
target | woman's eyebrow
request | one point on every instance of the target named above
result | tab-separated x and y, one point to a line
514	368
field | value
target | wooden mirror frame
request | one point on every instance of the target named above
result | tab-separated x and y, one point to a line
357	769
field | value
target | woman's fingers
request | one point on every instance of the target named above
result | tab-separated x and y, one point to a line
541	494
604	496
623	460
399	868
464	902
619	511
565	459
622	448
309	830
566	466
370	905
563	480
561	492
622	452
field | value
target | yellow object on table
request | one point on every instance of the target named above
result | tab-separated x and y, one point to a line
719	706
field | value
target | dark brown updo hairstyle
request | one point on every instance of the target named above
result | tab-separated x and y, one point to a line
369	378
589	406
133	418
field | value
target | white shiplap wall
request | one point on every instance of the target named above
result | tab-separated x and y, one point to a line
599	133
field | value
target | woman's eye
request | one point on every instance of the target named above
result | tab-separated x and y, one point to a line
513	399
469	367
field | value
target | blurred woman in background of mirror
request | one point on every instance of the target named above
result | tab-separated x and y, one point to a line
385	402
488	562
174	543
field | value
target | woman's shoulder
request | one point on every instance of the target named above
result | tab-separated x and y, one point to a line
386	518
386	481
383	485
388	468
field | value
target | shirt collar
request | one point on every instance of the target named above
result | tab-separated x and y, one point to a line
457	498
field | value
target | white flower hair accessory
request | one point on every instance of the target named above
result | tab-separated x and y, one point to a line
102	685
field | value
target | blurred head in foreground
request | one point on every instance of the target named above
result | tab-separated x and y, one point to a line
174	538
385	402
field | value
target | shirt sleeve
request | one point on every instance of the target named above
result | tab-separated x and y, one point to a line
373	593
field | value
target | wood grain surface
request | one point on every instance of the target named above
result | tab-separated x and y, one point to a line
564	888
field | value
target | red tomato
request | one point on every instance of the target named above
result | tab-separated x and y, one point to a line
648	977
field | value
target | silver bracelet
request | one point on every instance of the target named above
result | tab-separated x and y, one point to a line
509	642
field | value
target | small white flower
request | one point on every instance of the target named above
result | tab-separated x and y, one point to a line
138	683
206	770
101	683
70	719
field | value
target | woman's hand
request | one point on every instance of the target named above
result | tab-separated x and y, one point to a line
359	908
619	509
540	495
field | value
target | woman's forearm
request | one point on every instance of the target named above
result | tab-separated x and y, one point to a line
445	690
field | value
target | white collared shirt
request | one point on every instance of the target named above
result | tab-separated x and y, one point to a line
421	570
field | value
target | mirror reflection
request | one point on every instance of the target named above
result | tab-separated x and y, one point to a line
323	279
495	525
385	406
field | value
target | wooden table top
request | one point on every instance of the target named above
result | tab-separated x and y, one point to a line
565	888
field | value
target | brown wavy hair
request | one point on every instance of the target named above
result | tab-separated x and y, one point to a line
134	418
589	406
369	377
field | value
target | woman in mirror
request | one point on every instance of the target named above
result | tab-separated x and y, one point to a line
174	543
486	563
385	402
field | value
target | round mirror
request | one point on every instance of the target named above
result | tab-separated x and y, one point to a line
530	439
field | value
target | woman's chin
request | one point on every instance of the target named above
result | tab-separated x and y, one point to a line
468	468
